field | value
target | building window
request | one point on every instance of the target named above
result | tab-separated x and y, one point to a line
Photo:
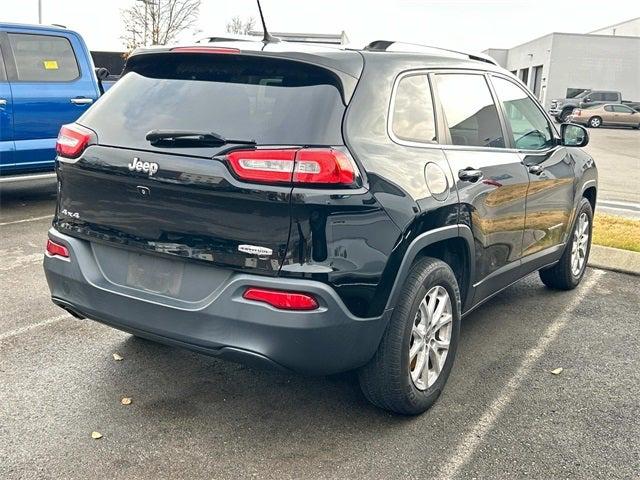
524	76
537	81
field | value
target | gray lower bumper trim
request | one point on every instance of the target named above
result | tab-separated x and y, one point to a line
327	340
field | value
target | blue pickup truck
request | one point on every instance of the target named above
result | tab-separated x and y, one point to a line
47	79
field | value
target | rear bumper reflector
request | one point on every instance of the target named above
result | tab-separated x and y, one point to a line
281	299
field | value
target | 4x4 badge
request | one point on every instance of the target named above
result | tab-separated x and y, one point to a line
138	165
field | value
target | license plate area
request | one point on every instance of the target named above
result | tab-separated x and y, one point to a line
153	274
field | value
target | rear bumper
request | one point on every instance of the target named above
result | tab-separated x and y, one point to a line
578	120
323	341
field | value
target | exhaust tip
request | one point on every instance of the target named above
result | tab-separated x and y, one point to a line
68	308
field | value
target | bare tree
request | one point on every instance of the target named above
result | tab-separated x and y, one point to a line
237	26
158	22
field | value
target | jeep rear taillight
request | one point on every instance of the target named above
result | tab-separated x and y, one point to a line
72	140
318	166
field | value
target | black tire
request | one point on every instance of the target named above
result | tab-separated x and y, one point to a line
386	380
561	276
564	115
595	122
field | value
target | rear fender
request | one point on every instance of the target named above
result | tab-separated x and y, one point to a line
423	241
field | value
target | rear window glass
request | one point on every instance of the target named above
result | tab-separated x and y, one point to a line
3	75
413	117
271	101
43	58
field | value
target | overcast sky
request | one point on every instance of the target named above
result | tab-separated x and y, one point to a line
462	24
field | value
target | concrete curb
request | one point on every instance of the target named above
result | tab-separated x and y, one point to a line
614	259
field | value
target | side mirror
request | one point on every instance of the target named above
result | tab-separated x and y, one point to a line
587	99
573	135
101	74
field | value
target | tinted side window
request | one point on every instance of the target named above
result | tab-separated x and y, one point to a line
530	128
608	108
43	58
412	117
596	97
610	97
3	74
621	109
469	110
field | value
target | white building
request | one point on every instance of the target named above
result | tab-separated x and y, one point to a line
606	59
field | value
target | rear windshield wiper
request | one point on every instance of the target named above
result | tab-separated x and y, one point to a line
185	138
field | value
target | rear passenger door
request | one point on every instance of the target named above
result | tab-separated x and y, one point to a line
6	118
52	84
608	117
491	180
551	168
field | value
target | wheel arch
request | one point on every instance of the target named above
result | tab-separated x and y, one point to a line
589	192
453	245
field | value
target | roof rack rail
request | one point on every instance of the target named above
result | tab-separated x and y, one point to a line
383	46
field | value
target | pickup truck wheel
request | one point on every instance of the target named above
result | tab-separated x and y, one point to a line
414	358
595	122
564	115
567	273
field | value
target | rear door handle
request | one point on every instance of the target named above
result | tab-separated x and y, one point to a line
536	169
81	101
3	102
469	174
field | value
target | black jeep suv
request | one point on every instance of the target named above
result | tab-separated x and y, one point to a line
315	209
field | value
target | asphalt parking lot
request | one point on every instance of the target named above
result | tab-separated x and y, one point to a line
617	154
502	415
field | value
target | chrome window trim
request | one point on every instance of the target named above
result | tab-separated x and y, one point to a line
392	104
434	145
440	146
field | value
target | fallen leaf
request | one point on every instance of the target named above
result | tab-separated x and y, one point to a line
117	357
126	401
96	435
557	371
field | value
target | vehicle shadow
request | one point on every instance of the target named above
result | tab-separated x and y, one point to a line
174	383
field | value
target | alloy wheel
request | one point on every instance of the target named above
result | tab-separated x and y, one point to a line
580	245
430	337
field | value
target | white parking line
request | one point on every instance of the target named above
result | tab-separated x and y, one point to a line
620	203
28	328
34	219
475	437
